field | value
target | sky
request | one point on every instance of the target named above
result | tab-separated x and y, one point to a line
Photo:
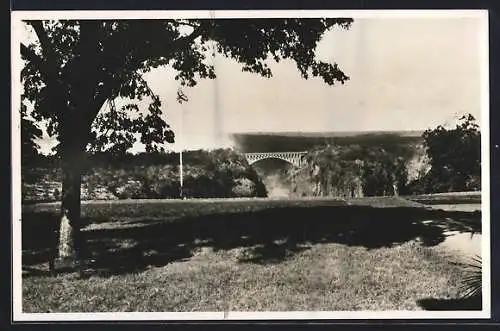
405	74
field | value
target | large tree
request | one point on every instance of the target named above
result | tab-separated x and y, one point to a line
73	68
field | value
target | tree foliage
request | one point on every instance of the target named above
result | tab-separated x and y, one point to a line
455	157
85	64
29	133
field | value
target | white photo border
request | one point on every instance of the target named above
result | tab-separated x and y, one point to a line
16	24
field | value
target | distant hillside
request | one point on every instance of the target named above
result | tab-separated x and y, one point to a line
301	141
331	134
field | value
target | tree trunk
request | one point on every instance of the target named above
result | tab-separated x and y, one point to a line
69	234
70	245
395	189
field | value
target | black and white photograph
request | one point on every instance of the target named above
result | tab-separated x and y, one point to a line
210	165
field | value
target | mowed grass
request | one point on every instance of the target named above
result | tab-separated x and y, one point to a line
246	256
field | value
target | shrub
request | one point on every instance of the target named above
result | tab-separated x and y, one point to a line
202	186
473	183
244	187
472	284
132	189
163	188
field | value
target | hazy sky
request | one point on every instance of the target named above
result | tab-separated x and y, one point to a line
405	74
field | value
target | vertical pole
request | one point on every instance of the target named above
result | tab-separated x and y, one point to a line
181	167
181	174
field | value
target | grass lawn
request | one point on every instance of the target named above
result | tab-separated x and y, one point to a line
247	256
453	198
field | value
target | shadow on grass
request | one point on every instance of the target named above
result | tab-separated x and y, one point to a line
472	303
269	235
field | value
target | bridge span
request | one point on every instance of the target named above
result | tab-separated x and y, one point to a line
294	158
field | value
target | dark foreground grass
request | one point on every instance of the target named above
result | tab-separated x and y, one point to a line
248	255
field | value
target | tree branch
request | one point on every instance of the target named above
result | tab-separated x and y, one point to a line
179	43
47	48
97	103
30	55
51	81
112	107
187	23
186	40
101	97
82	69
47	64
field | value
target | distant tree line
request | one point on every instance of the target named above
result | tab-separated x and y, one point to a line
282	142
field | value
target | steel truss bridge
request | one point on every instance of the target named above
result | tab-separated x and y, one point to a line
294	158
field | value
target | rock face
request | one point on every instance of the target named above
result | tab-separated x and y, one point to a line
51	191
419	164
356	171
43	191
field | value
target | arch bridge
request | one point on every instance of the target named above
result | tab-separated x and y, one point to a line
294	158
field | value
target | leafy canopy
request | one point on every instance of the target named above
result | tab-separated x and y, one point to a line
77	66
29	133
455	155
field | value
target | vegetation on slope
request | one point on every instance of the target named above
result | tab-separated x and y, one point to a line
449	161
353	171
217	173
